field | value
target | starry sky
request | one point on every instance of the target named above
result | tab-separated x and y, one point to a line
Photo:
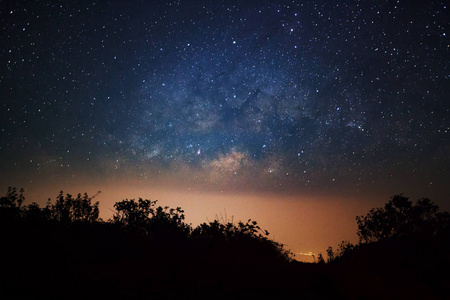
306	113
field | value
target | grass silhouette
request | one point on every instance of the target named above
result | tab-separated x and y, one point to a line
64	250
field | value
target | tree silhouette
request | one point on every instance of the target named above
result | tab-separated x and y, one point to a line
68	209
143	216
320	259
12	199
11	205
134	214
346	249
330	254
400	218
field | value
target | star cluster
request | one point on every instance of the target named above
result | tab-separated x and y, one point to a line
265	94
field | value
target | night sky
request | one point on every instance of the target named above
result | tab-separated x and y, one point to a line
300	114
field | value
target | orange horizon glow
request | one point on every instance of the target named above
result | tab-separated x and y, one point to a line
306	224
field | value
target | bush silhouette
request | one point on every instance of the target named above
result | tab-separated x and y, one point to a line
241	241
402	253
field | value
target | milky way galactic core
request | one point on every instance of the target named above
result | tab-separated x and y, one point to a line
256	95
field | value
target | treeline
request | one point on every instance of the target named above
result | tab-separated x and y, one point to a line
144	248
65	250
143	219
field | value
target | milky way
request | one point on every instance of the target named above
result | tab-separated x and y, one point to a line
265	94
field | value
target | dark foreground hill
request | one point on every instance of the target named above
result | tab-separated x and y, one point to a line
99	261
64	251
